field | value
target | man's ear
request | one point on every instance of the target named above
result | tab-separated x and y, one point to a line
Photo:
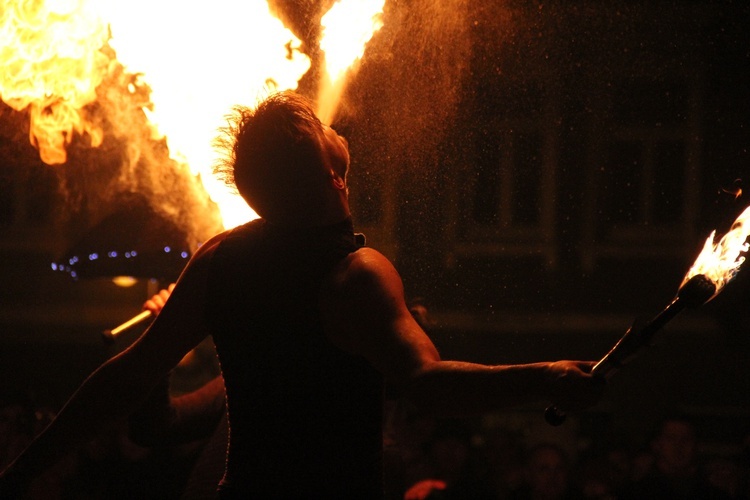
338	181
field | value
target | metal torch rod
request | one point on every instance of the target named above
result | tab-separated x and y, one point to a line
623	351
695	292
635	339
109	336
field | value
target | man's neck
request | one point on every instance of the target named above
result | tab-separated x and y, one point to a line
311	222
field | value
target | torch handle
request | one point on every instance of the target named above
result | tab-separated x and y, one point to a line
625	349
109	336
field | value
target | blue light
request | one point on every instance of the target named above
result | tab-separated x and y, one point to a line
73	274
127	255
54	266
167	249
112	254
73	260
133	253
93	256
184	255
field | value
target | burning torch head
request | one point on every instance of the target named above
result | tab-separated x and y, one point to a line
696	291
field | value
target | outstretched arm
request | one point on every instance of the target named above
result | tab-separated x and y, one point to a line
122	382
365	313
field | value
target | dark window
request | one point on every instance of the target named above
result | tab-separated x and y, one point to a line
620	184
648	103
669	173
486	195
527	174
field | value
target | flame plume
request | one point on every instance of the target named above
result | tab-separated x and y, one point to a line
347	28
200	65
720	261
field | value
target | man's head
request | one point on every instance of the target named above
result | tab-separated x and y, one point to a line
286	164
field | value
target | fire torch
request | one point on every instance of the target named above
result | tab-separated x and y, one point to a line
715	266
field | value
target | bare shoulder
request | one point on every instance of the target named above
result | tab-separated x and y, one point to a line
363	291
191	285
364	312
210	245
364	271
197	267
181	324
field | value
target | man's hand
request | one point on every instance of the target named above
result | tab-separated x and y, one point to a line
572	387
156	303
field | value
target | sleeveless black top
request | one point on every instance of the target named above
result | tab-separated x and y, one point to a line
305	417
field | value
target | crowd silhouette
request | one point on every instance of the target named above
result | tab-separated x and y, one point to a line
426	459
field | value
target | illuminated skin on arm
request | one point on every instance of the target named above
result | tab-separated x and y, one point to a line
365	313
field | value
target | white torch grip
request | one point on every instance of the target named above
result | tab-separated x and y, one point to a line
110	335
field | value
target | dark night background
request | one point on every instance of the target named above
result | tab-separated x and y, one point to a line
542	173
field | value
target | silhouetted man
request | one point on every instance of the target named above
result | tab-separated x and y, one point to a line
307	324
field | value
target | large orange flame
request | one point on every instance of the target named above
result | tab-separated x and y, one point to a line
720	261
52	64
198	61
200	64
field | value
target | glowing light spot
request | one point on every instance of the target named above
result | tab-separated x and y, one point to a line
124	281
